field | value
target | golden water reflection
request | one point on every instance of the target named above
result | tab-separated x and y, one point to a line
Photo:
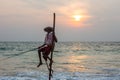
77	63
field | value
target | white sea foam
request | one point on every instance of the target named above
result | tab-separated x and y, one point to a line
60	76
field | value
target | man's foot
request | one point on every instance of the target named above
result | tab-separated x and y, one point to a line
39	64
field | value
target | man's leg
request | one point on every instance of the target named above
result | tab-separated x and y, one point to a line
47	57
40	59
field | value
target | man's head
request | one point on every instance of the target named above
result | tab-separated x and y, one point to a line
48	29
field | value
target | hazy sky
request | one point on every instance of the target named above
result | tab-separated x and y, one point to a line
24	20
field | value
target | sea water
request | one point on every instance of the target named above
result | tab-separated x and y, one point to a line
72	61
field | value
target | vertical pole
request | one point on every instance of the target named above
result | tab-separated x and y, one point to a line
50	71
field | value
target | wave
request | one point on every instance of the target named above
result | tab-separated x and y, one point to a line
60	76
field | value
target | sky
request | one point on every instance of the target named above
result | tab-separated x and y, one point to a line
24	20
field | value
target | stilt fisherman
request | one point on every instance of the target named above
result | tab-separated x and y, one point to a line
48	45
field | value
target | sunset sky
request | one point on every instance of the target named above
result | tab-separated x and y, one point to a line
76	20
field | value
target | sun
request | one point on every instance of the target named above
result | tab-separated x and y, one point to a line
77	17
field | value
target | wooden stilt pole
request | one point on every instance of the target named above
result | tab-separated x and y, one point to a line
50	71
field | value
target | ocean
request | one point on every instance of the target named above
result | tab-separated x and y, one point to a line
72	61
